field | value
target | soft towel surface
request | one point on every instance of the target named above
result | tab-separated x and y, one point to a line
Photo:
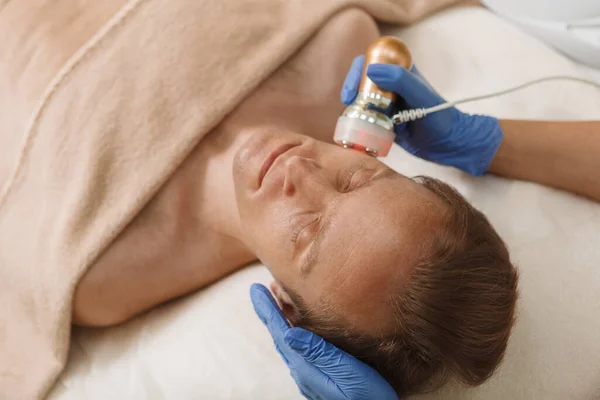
101	101
211	346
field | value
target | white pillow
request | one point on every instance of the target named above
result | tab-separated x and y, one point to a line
211	346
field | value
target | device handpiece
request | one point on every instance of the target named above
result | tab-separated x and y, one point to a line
364	125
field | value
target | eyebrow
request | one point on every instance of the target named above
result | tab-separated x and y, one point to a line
312	256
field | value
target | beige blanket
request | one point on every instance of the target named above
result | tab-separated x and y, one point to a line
100	101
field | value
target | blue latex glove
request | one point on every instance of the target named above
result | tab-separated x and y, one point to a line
449	137
321	370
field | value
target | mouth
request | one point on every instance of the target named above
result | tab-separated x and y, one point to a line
270	160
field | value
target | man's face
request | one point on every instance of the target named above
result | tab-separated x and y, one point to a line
332	225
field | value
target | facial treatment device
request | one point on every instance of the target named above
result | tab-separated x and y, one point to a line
364	125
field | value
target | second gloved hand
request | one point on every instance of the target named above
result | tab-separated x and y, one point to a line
321	370
449	137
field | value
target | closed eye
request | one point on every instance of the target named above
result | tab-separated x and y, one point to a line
302	227
356	177
362	181
345	177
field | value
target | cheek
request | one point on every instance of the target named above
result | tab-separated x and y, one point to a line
269	233
282	272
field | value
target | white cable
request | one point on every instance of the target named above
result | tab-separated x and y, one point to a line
418	113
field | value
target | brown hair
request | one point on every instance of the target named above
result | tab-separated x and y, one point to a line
454	315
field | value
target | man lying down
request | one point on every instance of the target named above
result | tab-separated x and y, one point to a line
400	272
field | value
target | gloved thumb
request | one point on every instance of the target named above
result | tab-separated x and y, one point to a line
352	81
414	91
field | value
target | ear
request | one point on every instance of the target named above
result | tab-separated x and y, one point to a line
286	304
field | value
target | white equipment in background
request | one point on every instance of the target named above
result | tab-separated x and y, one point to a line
570	26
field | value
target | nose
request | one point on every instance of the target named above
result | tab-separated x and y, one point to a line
305	178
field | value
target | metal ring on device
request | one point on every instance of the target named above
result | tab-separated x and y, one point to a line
347	145
371	152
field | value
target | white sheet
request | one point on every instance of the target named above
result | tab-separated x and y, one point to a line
211	346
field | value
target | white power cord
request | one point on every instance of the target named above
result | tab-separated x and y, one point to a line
418	113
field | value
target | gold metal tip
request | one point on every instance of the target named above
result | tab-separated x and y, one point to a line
385	50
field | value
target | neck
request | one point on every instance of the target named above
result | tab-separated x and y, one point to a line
216	198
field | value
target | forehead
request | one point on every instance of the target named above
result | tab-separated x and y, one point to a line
377	235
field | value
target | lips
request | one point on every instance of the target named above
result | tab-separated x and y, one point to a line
270	160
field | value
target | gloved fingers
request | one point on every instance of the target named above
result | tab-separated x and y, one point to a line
350	89
269	313
267	309
400	129
406	145
404	138
323	359
409	86
307	392
335	364
319	387
311	347
345	375
418	73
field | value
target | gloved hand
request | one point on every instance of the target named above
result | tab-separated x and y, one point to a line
449	137
321	370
